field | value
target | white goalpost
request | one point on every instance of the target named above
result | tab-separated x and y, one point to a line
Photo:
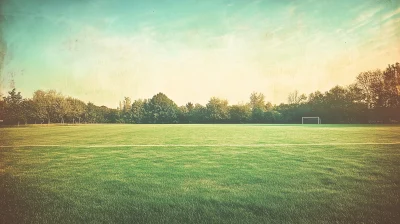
317	119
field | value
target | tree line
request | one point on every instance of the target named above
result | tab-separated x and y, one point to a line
374	97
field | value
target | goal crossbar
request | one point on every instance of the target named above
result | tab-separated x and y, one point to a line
302	119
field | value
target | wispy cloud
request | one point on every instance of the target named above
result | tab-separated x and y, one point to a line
392	14
364	18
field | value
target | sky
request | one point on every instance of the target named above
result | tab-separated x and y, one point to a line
102	50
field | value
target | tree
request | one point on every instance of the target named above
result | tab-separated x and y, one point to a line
391	79
381	93
127	104
356	110
316	105
127	115
183	115
257	115
258	106
138	111
372	84
316	98
290	113
2	109
217	110
103	114
76	109
29	110
269	106
13	107
190	106
198	114
337	102
162	110
296	98
240	113
374	97
272	116
61	107
50	105
40	100
257	100
112	116
92	114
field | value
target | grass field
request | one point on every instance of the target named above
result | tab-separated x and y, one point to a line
200	174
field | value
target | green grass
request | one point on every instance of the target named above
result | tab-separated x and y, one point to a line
204	184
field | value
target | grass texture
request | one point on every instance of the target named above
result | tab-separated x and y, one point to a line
223	175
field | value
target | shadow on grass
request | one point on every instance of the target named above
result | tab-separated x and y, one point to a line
23	203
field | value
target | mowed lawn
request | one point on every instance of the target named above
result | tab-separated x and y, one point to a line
200	174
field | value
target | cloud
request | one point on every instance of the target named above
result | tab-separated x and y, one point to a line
391	14
364	18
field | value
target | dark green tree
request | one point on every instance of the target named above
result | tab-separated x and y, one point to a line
162	110
240	113
183	115
138	111
198	114
13	108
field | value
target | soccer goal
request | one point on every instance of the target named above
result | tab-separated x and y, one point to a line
310	120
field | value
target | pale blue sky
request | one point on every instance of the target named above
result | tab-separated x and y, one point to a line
102	50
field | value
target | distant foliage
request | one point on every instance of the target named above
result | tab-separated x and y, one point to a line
217	110
373	98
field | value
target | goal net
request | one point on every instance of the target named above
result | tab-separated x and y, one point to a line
310	120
